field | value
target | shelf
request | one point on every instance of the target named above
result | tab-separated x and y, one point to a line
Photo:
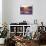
12	32
20	29
16	32
19	25
19	32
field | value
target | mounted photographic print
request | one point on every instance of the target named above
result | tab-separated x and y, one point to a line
26	10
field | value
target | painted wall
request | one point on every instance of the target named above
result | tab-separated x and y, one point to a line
12	11
4	11
0	13
16	11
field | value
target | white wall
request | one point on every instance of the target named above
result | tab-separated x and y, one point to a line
12	11
0	13
16	11
4	11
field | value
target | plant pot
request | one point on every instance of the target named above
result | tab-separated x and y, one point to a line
2	40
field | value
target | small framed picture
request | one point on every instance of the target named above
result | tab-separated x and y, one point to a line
26	10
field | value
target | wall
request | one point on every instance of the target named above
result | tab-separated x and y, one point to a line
12	11
0	13
16	14
4	11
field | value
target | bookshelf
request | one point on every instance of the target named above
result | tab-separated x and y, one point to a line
18	29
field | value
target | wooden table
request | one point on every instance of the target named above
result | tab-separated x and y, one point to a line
27	43
23	42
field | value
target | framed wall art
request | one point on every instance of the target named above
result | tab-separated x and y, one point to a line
26	10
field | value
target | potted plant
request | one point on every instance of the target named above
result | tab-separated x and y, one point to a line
3	34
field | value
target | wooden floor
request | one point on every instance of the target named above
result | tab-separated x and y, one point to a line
1	45
35	43
32	45
42	45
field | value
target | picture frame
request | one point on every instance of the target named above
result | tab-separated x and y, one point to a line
26	10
